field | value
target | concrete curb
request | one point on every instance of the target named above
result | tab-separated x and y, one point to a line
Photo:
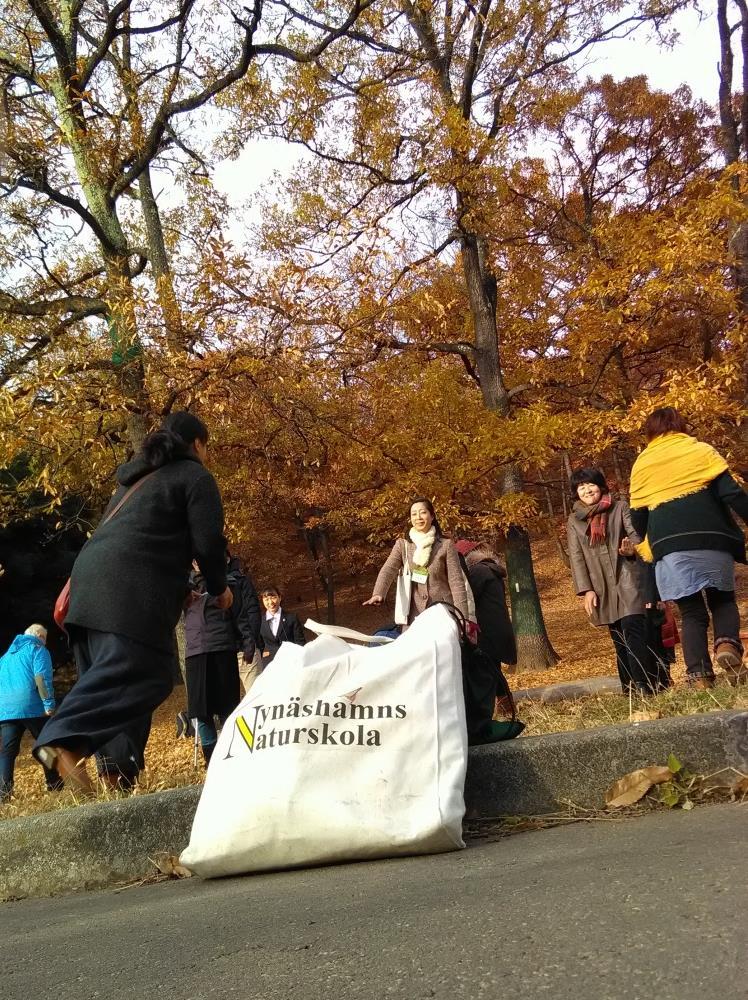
534	775
94	845
104	843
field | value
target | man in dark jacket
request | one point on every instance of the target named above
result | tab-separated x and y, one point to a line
213	638
278	626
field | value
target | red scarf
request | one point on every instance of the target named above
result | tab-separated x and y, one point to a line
596	517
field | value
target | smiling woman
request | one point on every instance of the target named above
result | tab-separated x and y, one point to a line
610	579
428	566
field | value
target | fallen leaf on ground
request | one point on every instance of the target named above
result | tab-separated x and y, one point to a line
645	716
635	785
168	864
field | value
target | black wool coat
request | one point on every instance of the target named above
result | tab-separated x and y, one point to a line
495	635
130	577
290	629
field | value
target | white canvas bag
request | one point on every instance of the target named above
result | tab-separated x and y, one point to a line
340	752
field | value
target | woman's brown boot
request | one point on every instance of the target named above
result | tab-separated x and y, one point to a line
70	765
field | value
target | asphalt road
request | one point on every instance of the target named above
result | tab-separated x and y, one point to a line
637	909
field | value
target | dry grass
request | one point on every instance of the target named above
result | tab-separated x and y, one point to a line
585	652
611	710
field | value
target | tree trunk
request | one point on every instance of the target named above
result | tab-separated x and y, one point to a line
127	355
126	347
319	549
162	274
329	577
534	650
734	145
618	471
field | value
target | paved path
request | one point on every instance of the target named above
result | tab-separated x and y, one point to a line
630	910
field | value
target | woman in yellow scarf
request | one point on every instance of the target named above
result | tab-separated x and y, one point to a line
681	490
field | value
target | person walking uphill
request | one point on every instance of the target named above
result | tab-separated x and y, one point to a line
681	490
212	637
486	577
609	577
26	701
127	589
428	564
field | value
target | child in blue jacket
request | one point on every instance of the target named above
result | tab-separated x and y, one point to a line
26	701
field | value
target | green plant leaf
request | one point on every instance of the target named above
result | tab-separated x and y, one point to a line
673	763
669	795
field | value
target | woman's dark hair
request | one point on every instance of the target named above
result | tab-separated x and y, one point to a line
270	592
430	508
174	439
588	474
664	420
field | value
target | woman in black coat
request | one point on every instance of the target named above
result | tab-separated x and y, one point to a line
127	589
496	639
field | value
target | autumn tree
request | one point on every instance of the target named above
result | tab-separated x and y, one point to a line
96	97
418	118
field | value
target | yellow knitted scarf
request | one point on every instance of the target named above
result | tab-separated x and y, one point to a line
673	466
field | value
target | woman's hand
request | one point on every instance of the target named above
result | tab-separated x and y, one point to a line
627	548
590	602
224	600
376	599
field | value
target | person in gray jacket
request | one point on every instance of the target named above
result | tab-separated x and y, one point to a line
213	637
609	577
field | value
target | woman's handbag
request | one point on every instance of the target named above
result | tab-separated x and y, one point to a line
669	629
62	604
403	591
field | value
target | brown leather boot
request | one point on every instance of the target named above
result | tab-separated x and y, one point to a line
728	655
701	682
70	765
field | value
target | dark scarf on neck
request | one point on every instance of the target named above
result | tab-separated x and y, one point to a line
596	517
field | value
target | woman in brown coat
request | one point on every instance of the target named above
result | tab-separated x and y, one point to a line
426	558
609	577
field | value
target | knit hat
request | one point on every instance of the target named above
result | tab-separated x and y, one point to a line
464	546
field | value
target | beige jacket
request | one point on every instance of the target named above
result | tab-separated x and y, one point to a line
445	581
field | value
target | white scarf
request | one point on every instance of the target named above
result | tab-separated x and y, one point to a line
424	542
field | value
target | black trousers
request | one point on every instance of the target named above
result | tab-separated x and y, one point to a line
11	733
121	681
637	666
695	625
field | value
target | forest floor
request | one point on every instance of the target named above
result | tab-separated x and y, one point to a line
585	651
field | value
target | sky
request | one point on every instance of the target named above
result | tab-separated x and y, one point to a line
692	60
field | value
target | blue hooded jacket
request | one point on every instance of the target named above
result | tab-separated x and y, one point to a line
25	670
